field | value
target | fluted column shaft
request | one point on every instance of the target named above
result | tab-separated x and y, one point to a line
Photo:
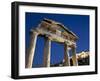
47	52
31	49
74	58
66	56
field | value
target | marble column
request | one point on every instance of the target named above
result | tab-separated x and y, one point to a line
66	55
47	51
74	58
31	49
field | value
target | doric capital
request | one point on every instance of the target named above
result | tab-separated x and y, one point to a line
32	31
49	37
66	42
74	46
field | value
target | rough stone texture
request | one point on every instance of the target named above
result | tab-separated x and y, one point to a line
31	50
53	31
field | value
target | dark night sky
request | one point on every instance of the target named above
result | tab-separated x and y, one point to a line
79	24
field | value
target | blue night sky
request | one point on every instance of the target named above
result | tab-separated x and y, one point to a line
79	24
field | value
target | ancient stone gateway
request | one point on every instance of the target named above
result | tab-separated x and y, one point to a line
53	31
